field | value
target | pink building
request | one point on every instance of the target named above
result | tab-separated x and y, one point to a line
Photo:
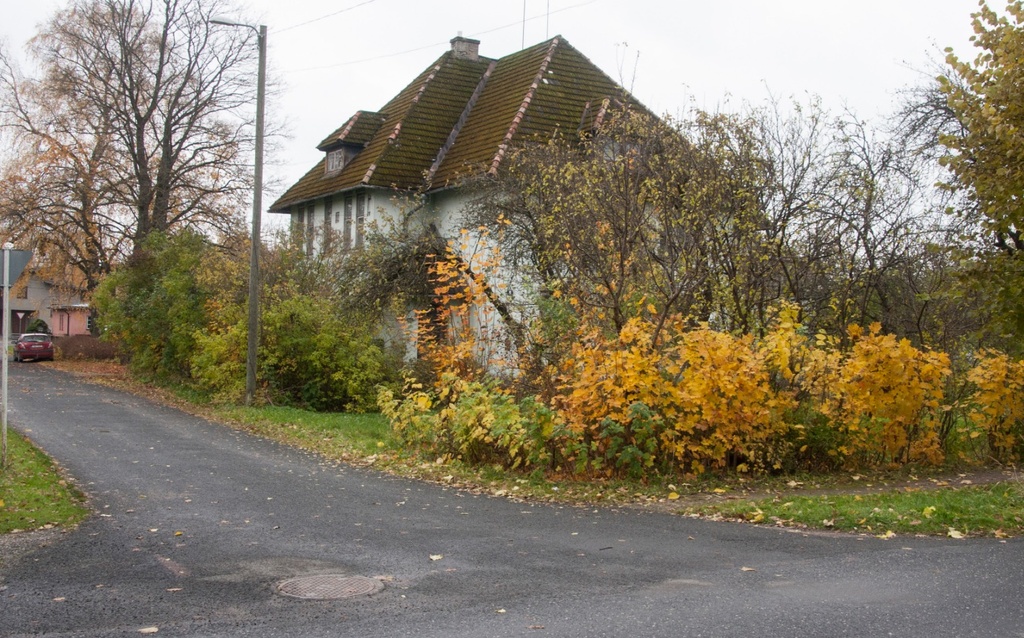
63	311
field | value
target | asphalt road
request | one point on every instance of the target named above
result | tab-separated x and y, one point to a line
197	525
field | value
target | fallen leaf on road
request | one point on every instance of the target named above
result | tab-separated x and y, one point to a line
747	569
499	611
673	496
436	556
173	589
886	536
178	533
149	630
954	533
59	599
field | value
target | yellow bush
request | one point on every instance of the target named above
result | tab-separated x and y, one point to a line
706	399
602	384
604	378
722	407
784	348
884	397
999	403
691	399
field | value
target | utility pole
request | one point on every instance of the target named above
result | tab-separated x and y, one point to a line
257	210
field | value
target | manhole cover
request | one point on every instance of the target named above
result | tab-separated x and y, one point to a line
329	587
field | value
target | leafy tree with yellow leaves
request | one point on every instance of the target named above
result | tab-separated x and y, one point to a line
986	156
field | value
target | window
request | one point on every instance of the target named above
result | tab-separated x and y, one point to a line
347	230
310	229
360	218
328	203
335	160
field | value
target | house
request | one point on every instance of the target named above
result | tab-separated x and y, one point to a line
33	297
421	152
454	122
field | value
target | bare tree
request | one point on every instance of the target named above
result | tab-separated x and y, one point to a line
644	217
721	217
59	193
139	122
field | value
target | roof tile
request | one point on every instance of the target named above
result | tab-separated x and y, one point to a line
458	117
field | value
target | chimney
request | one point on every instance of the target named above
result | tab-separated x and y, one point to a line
465	49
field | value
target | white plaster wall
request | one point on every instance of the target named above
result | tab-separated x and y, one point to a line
445	210
447	213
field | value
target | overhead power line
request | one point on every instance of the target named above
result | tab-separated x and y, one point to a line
433	45
324	17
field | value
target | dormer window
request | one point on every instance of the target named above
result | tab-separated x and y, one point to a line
335	160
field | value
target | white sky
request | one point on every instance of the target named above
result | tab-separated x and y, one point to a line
715	53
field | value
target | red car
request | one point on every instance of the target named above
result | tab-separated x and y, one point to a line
33	345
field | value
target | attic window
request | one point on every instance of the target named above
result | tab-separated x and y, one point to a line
335	160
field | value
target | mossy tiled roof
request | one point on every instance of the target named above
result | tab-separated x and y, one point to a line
358	130
457	118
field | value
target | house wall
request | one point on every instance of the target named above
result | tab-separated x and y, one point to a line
63	312
446	211
449	215
347	216
67	322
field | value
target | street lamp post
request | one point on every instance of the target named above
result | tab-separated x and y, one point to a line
257	210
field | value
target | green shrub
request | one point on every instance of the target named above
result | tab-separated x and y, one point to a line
153	306
474	422
311	354
37	325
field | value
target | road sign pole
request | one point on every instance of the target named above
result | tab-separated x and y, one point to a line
7	342
14	262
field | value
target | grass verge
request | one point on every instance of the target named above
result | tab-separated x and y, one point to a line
334	435
33	494
988	510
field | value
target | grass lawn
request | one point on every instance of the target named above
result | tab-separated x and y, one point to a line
33	494
986	510
335	435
